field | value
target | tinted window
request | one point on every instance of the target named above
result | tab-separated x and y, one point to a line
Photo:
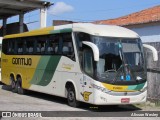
5	46
19	46
41	45
57	44
81	37
88	62
53	44
30	43
67	48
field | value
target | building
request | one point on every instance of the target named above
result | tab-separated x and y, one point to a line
147	24
13	28
10	8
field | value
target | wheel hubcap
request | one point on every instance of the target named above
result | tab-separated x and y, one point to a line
71	96
13	84
19	88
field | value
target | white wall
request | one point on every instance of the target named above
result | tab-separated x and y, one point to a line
148	32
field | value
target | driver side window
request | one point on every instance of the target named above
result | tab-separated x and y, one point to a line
88	62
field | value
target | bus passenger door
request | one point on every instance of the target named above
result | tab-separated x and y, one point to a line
87	77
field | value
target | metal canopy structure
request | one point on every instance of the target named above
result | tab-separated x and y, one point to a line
9	8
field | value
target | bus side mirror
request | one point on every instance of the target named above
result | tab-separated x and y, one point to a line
94	49
154	51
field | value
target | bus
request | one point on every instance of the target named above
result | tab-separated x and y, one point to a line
83	62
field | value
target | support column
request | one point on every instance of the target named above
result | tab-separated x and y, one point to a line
21	20
4	26
43	17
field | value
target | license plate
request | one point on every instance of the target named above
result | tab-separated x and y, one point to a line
125	100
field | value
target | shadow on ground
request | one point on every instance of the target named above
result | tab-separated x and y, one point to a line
6	87
1	83
109	108
84	106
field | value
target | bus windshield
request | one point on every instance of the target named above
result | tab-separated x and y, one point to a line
121	60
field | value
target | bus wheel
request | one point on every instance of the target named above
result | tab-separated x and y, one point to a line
19	88
12	83
71	97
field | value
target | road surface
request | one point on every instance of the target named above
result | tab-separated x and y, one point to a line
34	101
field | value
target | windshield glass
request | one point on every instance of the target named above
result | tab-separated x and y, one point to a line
110	56
132	52
120	59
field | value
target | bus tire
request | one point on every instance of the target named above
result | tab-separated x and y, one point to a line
12	84
71	97
19	88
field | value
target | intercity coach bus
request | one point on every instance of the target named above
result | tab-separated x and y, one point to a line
96	64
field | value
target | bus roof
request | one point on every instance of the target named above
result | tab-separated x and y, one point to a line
105	30
93	29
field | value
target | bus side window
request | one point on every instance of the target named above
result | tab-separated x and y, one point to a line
53	45
67	48
30	45
19	46
50	48
5	48
11	46
25	49
38	48
88	62
80	36
41	45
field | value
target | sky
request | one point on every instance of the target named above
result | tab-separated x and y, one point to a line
86	10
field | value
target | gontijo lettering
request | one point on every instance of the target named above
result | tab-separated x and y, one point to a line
22	61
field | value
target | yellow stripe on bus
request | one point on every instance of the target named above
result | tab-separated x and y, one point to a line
117	88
